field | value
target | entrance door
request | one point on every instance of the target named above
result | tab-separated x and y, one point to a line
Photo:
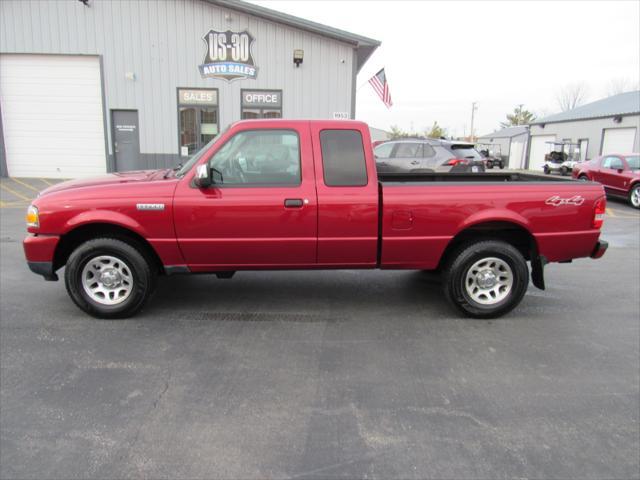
126	140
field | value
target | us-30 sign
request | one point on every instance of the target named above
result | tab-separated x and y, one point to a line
228	56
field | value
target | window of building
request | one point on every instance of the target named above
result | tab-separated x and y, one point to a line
261	104
197	117
259	158
343	158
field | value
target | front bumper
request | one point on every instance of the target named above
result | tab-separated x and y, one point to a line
600	249
39	251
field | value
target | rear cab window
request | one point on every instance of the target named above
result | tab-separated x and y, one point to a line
343	159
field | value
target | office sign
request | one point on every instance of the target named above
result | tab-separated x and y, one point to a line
262	98
228	56
197	96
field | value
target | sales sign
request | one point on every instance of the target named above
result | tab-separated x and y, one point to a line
228	56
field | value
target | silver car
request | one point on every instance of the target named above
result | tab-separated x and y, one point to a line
427	156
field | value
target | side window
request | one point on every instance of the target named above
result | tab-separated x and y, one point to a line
428	150
613	163
343	158
383	150
408	150
259	157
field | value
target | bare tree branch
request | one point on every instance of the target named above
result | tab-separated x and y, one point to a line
571	96
621	85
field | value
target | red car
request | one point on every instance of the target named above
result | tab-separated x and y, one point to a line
294	194
619	174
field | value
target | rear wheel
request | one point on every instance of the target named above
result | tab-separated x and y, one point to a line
564	171
547	170
109	278
634	196
486	279
583	178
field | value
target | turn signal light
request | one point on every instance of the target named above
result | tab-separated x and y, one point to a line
599	211
32	217
457	161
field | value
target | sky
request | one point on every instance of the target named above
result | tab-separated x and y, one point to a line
440	57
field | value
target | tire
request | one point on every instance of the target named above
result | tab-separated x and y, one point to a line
546	169
634	196
108	278
489	165
492	260
564	171
583	178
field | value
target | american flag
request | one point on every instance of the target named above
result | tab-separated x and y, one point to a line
380	85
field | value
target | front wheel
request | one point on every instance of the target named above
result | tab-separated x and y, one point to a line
486	279
546	170
109	278
634	196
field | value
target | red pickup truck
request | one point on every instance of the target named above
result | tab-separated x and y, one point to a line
293	194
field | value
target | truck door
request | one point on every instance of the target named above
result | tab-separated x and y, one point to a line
262	212
347	186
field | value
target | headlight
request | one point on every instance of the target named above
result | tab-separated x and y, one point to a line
33	220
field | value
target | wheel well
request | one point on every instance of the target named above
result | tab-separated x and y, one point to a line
508	232
71	240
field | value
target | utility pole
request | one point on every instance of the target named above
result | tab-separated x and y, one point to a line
474	107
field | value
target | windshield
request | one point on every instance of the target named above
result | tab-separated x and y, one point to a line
634	162
195	157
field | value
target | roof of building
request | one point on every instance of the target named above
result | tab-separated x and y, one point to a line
508	132
365	46
622	104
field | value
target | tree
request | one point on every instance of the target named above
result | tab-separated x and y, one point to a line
520	116
436	131
396	132
620	85
571	96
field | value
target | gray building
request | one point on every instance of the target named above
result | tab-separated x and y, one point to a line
610	125
509	143
97	86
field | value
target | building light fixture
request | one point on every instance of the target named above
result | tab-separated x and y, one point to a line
298	56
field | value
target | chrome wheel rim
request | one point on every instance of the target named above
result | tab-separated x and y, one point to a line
107	280
635	197
489	281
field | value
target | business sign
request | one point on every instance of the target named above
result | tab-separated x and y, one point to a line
197	96
228	56
341	115
262	98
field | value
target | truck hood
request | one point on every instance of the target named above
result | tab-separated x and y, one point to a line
110	179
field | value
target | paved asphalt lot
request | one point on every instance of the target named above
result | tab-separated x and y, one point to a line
324	375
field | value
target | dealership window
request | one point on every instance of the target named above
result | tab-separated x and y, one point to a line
197	117
261	104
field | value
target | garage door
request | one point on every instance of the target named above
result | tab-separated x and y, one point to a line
52	115
515	155
618	140
539	148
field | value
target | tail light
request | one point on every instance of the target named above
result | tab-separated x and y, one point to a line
457	161
599	211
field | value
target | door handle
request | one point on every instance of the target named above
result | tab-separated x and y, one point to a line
415	162
294	202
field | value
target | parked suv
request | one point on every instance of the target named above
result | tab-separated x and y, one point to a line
427	155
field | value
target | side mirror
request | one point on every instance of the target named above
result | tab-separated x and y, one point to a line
202	178
620	170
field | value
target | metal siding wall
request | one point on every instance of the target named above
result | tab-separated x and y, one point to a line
161	42
591	129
